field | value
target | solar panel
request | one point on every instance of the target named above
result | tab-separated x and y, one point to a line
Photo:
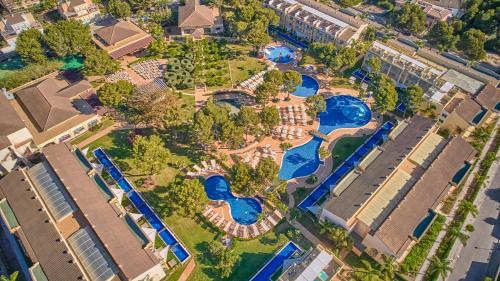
51	190
92	255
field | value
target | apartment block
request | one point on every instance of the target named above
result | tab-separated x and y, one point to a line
13	24
81	10
16	5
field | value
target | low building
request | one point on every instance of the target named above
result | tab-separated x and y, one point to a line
81	10
315	264
16	5
196	19
369	199
434	13
54	110
462	114
62	225
120	37
312	21
15	139
489	98
13	24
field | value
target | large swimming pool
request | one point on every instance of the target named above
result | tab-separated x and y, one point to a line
341	112
279	54
309	87
244	210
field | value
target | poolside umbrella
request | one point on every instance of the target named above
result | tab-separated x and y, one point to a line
136	217
150	233
118	192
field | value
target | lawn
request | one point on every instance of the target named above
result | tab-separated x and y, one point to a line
245	65
105	123
344	148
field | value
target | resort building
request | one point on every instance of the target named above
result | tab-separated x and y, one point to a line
312	21
13	24
15	139
120	37
60	221
385	202
15	5
54	110
433	12
81	10
462	114
489	98
196	19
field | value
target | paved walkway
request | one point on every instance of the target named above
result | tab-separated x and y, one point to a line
421	274
188	270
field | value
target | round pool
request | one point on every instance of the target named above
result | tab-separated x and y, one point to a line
279	54
309	87
244	210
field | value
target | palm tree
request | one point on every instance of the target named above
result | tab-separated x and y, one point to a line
325	227
440	267
456	232
388	268
366	272
467	206
12	277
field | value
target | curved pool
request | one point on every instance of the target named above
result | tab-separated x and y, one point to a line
341	112
244	210
309	87
279	54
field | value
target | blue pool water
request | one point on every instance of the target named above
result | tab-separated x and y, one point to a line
279	54
341	112
309	87
244	210
423	225
276	262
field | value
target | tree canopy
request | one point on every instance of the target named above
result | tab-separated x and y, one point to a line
119	8
291	80
274	77
188	197
98	62
269	118
29	46
264	92
223	259
266	171
151	108
442	36
384	92
67	38
472	44
149	153
115	94
315	104
241	178
413	97
248	119
410	17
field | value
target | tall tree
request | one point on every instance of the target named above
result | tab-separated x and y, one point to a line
441	35
67	38
149	154
264	92
115	94
467	207
384	92
269	118
388	268
472	44
98	62
150	108
224	259
291	80
138	5
456	233
241	178
366	272
374	64
202	129
29	46
411	17
188	198
440	267
413	97
12	277
266	171
315	104
119	8
248	119
340	237
274	77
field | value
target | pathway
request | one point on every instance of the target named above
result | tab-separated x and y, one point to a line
188	270
432	252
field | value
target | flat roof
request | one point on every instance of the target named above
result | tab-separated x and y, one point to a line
489	96
44	244
357	194
462	81
397	230
117	238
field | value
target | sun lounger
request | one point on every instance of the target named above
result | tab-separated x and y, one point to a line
197	168
278	214
272	221
191	174
227	226
205	165
214	164
208	209
235	231
264	226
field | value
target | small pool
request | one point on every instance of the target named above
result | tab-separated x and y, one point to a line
309	87
244	210
16	63
279	54
423	225
341	112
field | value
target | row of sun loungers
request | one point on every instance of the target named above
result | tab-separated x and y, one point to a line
243	231
149	69
292	115
254	81
119	76
206	167
285	132
253	159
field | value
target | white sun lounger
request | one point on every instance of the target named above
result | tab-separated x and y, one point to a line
205	165
207	211
197	168
272	221
264	226
214	164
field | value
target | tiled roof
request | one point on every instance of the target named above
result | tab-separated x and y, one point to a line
192	14
489	97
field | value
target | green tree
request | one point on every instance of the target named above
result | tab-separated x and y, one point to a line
456	233
266	171
115	94
366	272
98	62
441	35
340	238
224	259
325	227
188	198
264	92
291	80
29	46
472	44
269	118
440	267
348	3
241	178
150	109
67	38
467	207
285	146
202	129
370	34
274	77
12	277
157	47
388	268
232	135
249	120
384	93
149	154
413	97
374	64
411	17
139	5
315	104
119	8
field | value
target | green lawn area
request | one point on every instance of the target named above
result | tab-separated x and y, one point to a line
103	125
246	65
344	148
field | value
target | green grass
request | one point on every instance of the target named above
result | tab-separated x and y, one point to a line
344	148
300	193
246	65
104	124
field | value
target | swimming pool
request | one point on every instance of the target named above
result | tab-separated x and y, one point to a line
277	262
341	112
244	210
279	54
309	87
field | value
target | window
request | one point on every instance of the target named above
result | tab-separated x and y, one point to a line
64	137
78	130
92	123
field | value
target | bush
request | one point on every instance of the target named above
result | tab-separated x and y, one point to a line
469	228
174	61
312	179
29	73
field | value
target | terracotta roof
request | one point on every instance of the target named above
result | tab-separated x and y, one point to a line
427	193
114	234
14	18
467	109
130	48
118	31
39	235
192	14
489	97
394	152
437	12
10	121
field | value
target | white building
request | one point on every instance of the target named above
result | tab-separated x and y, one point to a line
81	10
13	24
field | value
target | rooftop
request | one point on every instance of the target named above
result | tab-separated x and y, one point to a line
10	121
465	107
462	81
192	14
489	97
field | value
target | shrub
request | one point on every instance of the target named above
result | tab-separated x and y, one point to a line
29	73
312	179
469	228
